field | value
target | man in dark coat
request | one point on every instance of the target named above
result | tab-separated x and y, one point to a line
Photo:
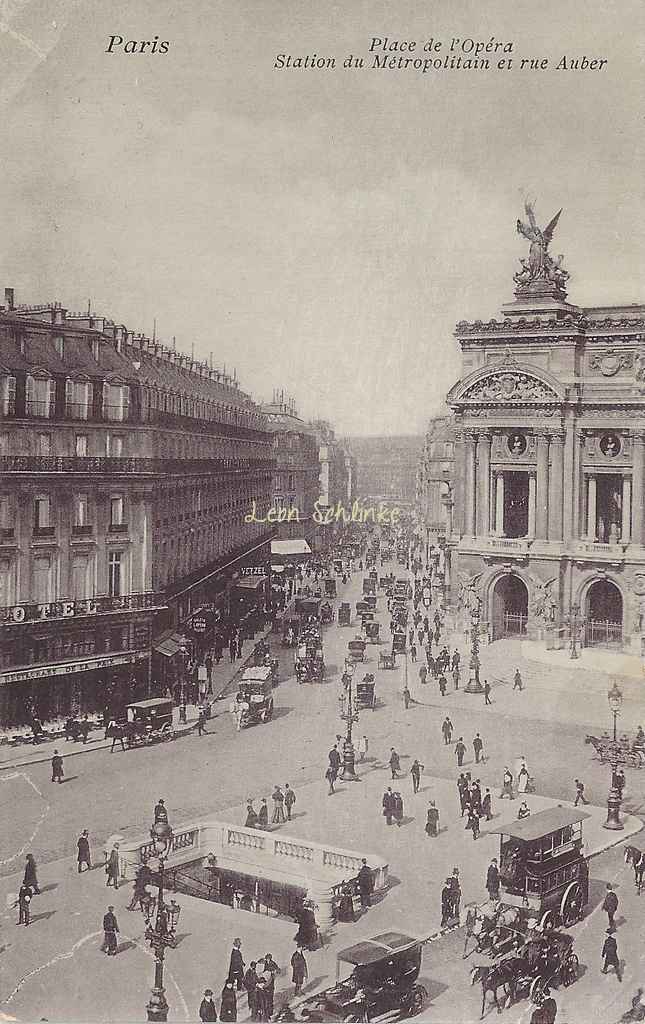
476	798
446	729
24	904
492	880
610	954
236	966
263	814
57	767
446	903
207	1010
83	844
289	799
486	806
298	970
161	814
365	884
478	746
395	764
415	772
473	822
110	931
334	759
388	805
251	984
610	905
460	750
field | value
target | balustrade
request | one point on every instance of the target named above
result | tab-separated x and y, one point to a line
288	849
248	839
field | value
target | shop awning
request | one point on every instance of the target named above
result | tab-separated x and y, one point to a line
290	550
249	582
169	645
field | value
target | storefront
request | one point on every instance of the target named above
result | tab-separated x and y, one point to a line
72	688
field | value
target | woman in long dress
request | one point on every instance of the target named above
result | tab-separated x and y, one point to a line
522	777
228	1005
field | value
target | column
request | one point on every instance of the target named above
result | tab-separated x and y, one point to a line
499	505
591	508
627	508
532	488
483	477
542	496
638	443
556	487
471	455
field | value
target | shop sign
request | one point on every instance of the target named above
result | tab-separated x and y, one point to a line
198	624
69	668
254	570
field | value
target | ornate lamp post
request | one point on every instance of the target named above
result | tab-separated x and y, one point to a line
474	685
614	798
348	714
574	629
163	932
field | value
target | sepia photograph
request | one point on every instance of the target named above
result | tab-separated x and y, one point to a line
322	511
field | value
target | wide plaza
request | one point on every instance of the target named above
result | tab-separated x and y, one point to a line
46	968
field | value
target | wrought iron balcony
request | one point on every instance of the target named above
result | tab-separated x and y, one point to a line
44	531
84	530
90	464
118	527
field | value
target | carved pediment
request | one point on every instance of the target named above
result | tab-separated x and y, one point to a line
510	386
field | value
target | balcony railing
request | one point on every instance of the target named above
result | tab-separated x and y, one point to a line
106	464
118	527
6	533
84	530
75	609
44	531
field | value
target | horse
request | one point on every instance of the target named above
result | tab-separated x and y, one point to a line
502	975
636	858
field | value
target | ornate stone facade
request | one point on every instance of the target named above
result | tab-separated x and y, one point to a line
548	481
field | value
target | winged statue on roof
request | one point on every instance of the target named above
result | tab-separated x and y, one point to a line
540	265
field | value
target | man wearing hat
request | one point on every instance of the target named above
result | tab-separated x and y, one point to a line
110	929
57	767
83	844
112	867
365	883
610	954
161	814
207	1009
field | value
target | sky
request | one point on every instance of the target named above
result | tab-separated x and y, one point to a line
320	231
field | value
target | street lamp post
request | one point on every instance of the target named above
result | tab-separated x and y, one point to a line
348	714
474	685
614	799
574	627
163	933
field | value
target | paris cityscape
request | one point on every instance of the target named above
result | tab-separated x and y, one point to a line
322	530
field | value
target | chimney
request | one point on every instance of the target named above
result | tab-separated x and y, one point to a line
8	298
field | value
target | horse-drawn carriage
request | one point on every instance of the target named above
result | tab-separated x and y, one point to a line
326	613
371	630
387	659
290	631
398	643
309	661
542	962
345	614
543	871
370	601
625	751
369	585
330	587
366	693
146	721
356	649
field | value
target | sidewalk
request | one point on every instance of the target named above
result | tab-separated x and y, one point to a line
223	675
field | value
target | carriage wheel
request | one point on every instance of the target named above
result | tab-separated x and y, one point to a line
571	905
570	970
418	997
537	990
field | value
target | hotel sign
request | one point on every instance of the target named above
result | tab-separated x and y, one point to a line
70	667
73	609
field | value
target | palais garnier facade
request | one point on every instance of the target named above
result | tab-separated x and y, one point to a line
534	483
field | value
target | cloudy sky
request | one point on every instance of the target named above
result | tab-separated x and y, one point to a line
320	231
